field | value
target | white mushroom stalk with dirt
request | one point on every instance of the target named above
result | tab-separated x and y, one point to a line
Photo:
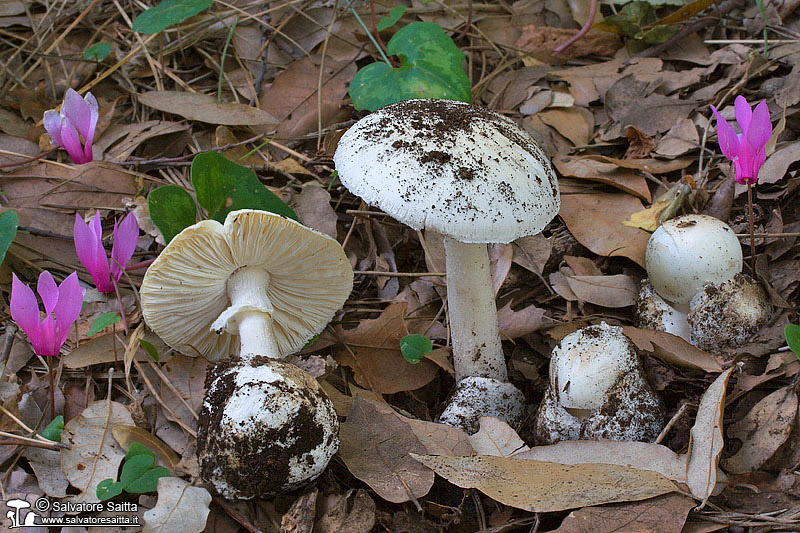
246	294
475	177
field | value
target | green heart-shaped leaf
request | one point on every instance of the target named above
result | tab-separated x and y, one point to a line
223	186
167	13
430	68
107	489
171	209
414	347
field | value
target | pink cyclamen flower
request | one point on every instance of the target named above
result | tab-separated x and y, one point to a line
89	245
747	149
78	116
62	305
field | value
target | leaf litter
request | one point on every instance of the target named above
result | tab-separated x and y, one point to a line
621	130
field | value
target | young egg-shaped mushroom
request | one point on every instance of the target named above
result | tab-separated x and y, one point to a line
249	292
475	177
653	312
686	252
726	314
597	390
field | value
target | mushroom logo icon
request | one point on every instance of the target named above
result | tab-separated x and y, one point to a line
13	516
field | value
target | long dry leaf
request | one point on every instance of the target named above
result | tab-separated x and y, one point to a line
205	108
706	440
375	446
665	514
672	349
496	437
93	454
543	487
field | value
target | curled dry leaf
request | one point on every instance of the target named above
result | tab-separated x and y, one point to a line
515	324
665	514
672	349
543	487
127	435
375	446
338	516
313	208
532	252
93	454
619	290
706	440
181	508
763	431
589	168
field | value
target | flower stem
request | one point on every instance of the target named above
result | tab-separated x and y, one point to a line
752	232
52	389
121	308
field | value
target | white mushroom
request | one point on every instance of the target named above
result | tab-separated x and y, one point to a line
597	390
253	290
686	252
653	312
475	177
726	314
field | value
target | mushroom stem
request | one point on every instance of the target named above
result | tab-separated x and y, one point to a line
477	351
250	313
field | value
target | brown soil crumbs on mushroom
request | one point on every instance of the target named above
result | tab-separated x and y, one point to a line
252	463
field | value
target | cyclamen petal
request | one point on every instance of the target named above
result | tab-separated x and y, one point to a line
70	302
48	291
89	247
78	117
742	112
126	236
728	140
760	128
24	308
746	150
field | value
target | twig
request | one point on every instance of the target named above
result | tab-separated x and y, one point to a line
29	159
671	423
583	31
722	9
236	515
469	21
187	156
769	235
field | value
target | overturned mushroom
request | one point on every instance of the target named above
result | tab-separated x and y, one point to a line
258	287
597	390
475	177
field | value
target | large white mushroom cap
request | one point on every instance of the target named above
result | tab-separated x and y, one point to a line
686	252
460	170
185	289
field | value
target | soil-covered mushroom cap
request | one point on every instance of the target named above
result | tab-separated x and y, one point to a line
653	312
185	290
476	396
597	390
461	170
727	314
686	252
265	427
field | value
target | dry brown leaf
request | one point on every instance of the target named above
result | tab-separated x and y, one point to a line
582	266
595	220
127	435
638	455
120	140
588	168
672	349
665	514
543	487
292	97
532	252
93	454
375	446
205	108
18	145
648	164
632	102
46	465
496	437
338	516
240	155
679	140
574	123
515	324
313	208
500	257
99	350
181	507
619	290
776	165
187	375
542	40
639	144
763	431
376	359
706	440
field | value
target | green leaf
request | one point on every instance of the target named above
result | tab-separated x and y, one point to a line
53	430
148	482
103	321
629	20
391	19
223	186
150	349
134	468
171	209
98	51
792	334
430	68
167	13
108	489
137	448
8	230
414	347
657	34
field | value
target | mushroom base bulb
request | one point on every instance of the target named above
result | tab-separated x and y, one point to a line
727	314
265	427
475	397
597	390
655	313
